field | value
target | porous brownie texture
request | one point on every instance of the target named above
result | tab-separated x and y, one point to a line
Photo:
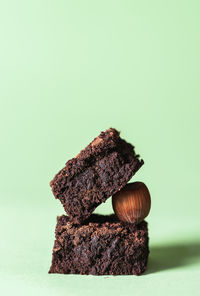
96	173
101	246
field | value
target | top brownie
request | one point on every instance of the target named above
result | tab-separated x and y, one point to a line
96	173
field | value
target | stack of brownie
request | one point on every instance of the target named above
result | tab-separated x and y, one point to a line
88	243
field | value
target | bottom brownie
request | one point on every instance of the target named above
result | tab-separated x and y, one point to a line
101	246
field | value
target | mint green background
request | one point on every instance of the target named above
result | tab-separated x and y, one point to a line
68	70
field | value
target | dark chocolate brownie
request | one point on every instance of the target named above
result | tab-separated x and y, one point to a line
101	246
96	173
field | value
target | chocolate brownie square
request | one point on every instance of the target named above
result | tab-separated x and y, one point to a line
101	246
96	173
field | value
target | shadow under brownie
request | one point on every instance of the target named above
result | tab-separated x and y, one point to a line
102	245
96	173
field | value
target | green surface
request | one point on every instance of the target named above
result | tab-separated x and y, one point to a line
68	70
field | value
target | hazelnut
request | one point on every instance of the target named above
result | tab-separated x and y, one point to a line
132	203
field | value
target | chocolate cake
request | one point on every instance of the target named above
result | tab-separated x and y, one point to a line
96	173
102	245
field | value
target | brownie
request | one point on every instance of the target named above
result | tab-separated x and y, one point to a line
96	173
102	245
